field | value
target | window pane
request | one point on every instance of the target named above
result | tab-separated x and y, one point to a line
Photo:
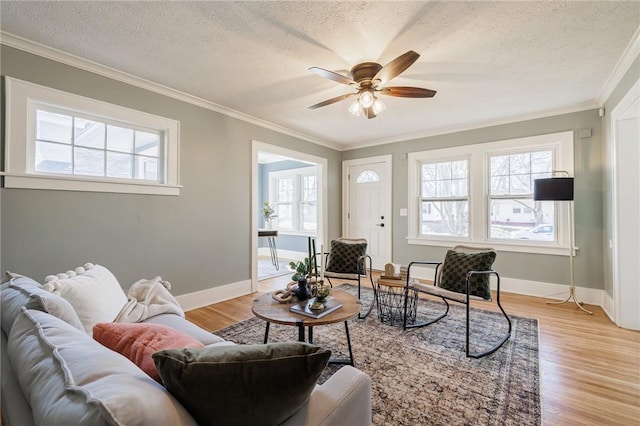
367	176
522	219
459	188
308	188
53	127
146	168
542	162
147	143
88	162
429	172
88	133
119	139
309	222
519	164
443	188
500	165
448	218
520	184
119	165
500	185
53	158
285	190
285	216
443	170
429	189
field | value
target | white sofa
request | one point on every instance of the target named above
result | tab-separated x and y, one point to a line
54	373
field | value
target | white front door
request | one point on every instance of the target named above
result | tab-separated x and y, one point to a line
367	202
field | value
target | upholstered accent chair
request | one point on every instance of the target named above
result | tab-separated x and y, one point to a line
347	260
462	277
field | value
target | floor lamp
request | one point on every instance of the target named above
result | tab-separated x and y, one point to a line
560	189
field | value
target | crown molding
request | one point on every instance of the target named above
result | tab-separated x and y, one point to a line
30	46
624	63
585	106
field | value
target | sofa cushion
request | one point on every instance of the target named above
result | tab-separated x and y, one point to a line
21	291
185	326
247	384
458	264
70	379
139	341
93	291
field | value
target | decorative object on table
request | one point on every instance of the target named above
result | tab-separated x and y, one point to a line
268	214
285	295
301	269
390	272
321	291
560	189
304	308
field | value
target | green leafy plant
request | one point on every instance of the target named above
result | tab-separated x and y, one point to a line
301	269
268	212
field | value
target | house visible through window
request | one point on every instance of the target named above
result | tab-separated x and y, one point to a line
483	193
294	193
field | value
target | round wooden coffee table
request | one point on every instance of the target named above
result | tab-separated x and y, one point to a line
264	307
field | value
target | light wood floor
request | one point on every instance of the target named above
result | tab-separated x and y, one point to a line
589	368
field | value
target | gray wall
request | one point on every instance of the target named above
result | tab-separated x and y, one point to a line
588	198
198	240
628	80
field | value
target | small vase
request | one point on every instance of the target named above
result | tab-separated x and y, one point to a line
267	224
302	292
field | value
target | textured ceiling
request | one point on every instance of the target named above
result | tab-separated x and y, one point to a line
489	61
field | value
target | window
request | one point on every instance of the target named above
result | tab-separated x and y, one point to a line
294	195
367	176
67	142
511	188
444	198
483	194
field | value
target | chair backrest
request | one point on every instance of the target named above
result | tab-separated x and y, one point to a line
343	257
453	277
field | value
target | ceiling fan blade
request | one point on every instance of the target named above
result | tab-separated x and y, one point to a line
332	101
396	67
332	76
369	112
407	92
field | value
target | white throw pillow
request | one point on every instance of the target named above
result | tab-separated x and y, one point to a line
92	290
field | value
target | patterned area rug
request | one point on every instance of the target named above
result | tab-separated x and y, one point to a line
421	376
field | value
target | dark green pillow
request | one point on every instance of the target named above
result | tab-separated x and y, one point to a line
343	257
458	264
243	384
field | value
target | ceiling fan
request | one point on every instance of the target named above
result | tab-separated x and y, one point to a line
369	78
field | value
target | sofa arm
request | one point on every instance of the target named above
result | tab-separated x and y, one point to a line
344	399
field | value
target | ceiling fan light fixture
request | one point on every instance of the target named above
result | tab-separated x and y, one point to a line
378	106
366	99
355	108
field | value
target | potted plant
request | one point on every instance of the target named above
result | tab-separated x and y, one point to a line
268	213
301	270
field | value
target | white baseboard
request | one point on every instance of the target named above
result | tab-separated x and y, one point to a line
607	306
590	296
213	295
545	290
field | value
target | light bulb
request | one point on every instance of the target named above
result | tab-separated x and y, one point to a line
355	109
366	99
378	106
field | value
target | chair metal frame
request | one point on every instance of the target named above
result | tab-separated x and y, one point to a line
354	277
464	298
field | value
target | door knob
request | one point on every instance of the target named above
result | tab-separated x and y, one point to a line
381	225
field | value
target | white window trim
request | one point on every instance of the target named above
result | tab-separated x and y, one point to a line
22	96
296	174
562	145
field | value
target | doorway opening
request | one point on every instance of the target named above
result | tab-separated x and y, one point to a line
289	205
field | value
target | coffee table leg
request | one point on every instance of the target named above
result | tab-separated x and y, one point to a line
310	328
300	325
346	328
266	333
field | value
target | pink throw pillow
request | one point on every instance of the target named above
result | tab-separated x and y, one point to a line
138	341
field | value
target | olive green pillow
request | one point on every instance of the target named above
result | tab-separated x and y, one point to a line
458	264
343	257
242	384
